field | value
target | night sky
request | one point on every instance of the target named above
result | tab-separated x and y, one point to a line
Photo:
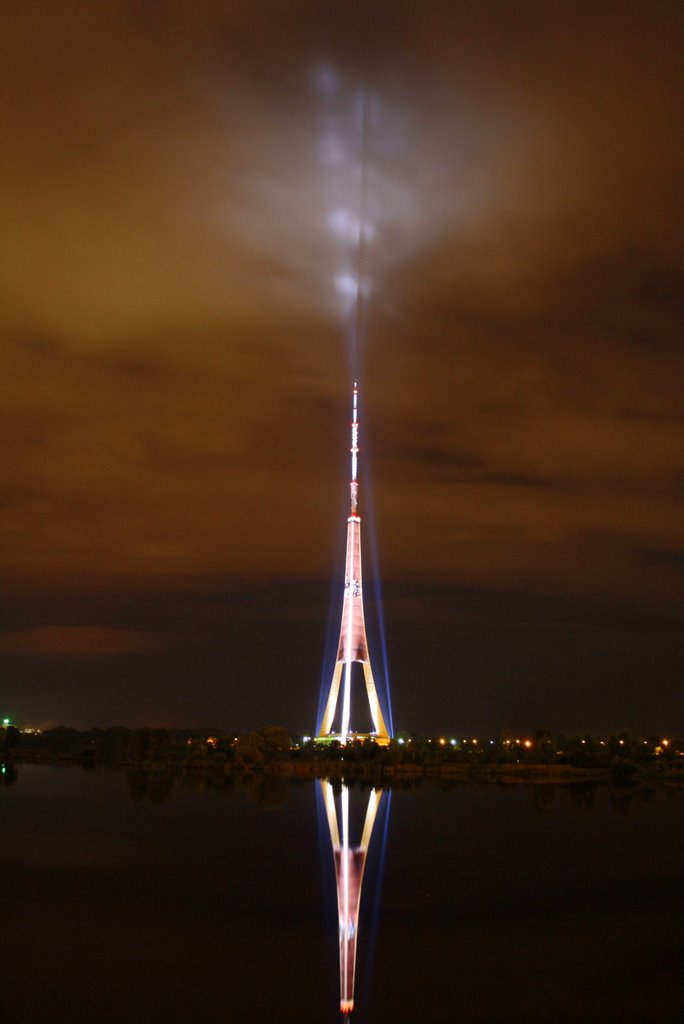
181	187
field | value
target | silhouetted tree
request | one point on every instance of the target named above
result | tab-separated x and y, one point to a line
276	739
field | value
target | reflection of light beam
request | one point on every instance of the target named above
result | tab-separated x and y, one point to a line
346	926
376	867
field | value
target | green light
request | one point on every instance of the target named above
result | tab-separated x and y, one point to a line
6	721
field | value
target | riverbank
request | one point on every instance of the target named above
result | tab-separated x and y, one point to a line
388	774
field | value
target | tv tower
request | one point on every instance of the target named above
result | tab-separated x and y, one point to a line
353	645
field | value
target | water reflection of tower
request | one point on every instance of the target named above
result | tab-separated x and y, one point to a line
350	864
353	644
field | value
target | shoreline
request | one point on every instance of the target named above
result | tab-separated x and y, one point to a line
296	770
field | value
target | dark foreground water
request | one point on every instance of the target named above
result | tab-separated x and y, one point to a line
132	899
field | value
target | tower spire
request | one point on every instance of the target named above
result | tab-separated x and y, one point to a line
353	644
354	483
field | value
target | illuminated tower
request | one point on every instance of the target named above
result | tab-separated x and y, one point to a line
350	863
353	645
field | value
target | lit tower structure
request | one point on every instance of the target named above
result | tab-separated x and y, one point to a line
353	644
350	863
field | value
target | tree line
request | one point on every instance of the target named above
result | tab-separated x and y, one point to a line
257	749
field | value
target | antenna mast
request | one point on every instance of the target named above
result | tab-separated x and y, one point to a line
354	484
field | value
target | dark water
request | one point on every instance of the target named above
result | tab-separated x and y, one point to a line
136	902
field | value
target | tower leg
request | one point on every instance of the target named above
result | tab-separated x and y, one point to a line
331	706
376	713
346	702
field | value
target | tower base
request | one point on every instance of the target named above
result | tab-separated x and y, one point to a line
328	738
